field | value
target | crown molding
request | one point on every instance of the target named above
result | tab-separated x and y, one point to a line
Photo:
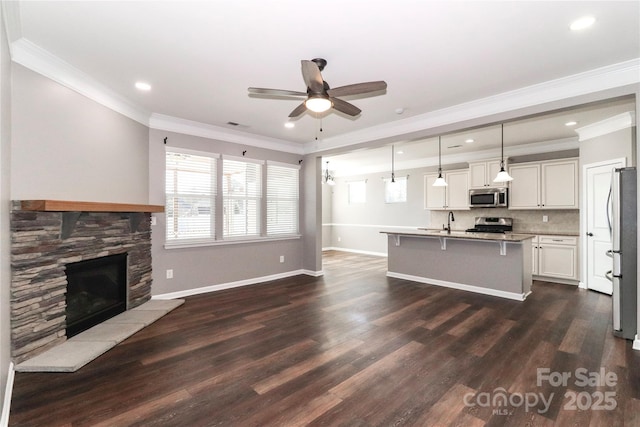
592	81
189	127
12	20
606	126
35	58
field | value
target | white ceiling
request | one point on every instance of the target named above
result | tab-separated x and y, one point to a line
200	57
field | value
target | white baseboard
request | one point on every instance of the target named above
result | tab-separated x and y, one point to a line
559	280
313	273
460	286
355	251
237	284
636	343
6	405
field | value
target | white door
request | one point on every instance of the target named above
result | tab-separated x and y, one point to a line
598	238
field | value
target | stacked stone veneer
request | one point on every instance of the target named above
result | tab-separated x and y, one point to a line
38	259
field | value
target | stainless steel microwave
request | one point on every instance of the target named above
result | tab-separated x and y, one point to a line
489	198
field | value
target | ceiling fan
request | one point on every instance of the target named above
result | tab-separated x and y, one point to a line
319	96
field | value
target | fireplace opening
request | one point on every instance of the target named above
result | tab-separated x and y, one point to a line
96	291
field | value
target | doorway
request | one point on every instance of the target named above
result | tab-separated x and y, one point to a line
598	223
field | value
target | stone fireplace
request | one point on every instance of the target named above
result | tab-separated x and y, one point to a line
47	238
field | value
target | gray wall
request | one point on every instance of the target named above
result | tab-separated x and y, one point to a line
206	266
5	197
68	147
357	227
619	144
312	214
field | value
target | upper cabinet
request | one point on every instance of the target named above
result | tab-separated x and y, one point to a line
544	185
481	174
454	196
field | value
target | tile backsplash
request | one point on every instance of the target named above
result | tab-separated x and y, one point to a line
524	221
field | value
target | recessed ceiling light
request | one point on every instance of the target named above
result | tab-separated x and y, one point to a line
469	141
582	23
400	152
143	86
571	123
289	125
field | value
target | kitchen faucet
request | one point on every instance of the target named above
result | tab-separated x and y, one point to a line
450	218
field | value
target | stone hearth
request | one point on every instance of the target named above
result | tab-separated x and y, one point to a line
43	242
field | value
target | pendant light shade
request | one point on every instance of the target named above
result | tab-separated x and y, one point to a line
503	175
440	182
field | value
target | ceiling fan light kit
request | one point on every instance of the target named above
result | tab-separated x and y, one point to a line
319	95
318	104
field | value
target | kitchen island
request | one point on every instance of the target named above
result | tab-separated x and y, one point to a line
486	263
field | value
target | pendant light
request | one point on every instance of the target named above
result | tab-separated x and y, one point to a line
503	175
440	182
393	172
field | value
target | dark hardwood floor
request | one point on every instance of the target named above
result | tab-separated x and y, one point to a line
354	348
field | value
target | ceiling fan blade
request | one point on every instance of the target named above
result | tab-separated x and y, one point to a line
357	89
312	77
345	107
298	110
277	92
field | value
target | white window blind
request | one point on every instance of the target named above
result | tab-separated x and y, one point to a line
190	196
395	192
282	199
357	192
241	195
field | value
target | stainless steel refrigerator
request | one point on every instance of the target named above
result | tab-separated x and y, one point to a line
623	274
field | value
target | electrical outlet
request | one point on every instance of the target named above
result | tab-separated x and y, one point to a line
545	218
281	258
154	220
339	239
170	274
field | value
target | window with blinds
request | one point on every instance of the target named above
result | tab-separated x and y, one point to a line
190	196
241	196
282	199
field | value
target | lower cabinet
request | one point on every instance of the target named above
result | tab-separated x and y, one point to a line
556	257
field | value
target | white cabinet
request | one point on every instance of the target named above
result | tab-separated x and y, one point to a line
556	257
544	185
559	185
454	196
525	187
481	174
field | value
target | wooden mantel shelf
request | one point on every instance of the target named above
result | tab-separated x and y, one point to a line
73	206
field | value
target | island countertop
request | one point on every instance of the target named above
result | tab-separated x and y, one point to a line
423	232
486	263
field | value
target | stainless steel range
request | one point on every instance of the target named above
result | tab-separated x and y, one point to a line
492	224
